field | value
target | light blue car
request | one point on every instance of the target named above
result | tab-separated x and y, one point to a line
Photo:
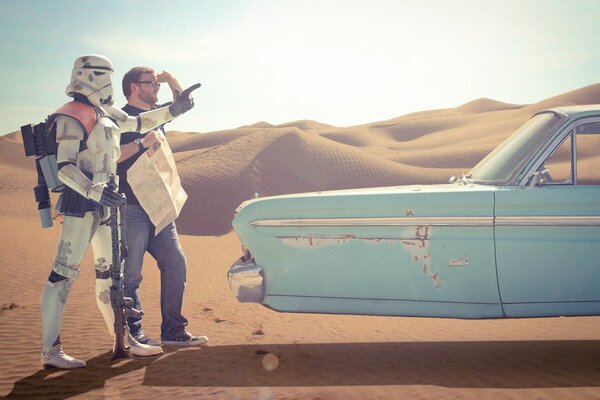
518	236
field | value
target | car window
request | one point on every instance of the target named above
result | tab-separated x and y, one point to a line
557	169
588	153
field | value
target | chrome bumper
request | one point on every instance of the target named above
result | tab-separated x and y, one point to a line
246	281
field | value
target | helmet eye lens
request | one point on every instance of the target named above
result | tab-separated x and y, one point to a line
99	73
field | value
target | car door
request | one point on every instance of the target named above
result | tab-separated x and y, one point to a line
548	236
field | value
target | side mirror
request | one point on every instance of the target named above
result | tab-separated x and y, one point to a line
540	178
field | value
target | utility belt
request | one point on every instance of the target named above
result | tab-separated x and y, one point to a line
74	204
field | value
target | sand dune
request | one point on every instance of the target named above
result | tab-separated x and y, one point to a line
484	105
12	153
321	357
587	95
305	125
278	161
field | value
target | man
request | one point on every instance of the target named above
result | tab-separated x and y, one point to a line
87	139
140	87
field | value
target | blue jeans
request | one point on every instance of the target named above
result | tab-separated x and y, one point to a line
171	261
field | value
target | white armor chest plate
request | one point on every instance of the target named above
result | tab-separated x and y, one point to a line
103	150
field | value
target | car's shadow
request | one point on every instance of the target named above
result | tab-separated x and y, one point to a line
485	364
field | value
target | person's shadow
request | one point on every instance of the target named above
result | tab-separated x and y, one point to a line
44	383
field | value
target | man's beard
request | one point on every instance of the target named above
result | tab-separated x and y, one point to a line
149	98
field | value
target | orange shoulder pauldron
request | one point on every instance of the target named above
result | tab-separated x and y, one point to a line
84	113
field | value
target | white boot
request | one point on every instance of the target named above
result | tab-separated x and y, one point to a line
55	357
138	349
52	306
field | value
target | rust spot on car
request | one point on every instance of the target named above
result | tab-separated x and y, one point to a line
422	233
416	246
435	278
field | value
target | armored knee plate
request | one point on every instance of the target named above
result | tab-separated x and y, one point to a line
68	272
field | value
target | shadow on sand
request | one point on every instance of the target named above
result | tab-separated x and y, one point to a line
489	364
58	384
486	364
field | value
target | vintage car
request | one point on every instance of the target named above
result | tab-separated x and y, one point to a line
518	236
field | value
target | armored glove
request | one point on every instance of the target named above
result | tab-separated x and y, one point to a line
183	101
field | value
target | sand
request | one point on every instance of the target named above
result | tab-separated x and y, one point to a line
320	356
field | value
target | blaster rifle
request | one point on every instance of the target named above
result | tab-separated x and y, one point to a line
122	306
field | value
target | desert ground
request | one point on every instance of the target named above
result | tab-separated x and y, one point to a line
321	356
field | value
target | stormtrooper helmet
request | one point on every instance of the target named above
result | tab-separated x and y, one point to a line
91	77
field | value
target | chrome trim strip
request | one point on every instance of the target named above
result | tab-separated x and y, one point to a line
399	221
583	220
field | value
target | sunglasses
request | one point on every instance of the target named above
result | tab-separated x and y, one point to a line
151	83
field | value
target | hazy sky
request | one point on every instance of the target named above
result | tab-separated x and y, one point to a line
340	62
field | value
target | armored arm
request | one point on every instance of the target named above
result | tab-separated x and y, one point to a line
149	120
144	122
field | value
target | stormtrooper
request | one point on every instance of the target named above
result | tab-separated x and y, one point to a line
87	137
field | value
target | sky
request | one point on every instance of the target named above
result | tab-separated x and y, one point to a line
339	62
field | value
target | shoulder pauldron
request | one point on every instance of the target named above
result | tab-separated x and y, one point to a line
85	114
